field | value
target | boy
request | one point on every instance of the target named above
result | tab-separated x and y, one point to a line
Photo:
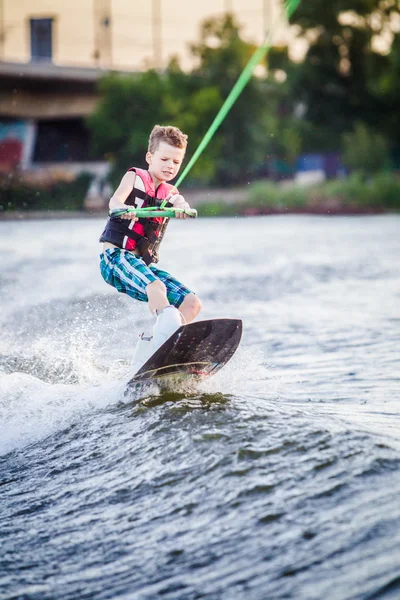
130	245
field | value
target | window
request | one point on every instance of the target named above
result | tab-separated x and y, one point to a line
41	39
61	140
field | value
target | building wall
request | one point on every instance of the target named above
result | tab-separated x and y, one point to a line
48	111
46	105
73	38
135	37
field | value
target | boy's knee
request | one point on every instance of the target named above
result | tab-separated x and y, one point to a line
192	303
156	287
197	305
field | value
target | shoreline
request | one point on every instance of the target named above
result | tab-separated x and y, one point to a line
33	215
247	212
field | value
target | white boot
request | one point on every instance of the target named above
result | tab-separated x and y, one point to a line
143	351
168	321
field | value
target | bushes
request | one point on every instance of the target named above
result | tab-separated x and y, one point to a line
351	195
61	195
386	188
268	195
217	209
381	192
365	150
341	196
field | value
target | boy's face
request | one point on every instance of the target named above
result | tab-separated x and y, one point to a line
165	162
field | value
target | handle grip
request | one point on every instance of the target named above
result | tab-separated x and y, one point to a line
151	212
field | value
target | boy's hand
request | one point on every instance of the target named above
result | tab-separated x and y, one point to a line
179	202
117	209
129	216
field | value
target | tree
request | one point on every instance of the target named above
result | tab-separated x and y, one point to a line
365	151
222	55
345	76
131	104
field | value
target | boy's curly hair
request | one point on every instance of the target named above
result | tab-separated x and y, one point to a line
170	135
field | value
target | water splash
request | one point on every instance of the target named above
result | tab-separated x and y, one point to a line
31	409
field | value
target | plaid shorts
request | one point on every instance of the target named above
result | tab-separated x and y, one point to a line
129	274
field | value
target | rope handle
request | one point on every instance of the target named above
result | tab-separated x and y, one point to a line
150	212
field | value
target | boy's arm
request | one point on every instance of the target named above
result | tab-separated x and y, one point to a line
121	194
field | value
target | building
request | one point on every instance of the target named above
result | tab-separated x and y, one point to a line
42	117
46	93
63	32
53	52
122	34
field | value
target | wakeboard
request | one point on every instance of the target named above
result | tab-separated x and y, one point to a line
192	353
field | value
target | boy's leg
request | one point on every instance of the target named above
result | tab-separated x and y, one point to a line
177	295
173	301
168	317
128	274
190	307
157	296
158	300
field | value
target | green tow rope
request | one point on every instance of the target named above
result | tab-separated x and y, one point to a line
290	7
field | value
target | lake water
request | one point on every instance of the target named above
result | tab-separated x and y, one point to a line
279	478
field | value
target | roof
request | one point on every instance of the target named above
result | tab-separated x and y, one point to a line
42	70
48	71
46	91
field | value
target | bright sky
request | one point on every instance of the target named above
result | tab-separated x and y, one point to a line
180	25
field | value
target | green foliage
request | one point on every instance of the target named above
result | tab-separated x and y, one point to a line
131	105
365	151
350	192
379	192
343	81
263	193
352	195
62	195
201	107
279	137
266	195
222	56
217	209
386	188
344	78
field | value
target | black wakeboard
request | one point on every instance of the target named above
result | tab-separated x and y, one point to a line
193	352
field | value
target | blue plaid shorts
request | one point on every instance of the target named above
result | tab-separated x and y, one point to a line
130	275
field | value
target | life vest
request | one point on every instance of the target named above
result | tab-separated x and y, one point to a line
145	235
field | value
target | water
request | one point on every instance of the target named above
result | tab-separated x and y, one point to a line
278	478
